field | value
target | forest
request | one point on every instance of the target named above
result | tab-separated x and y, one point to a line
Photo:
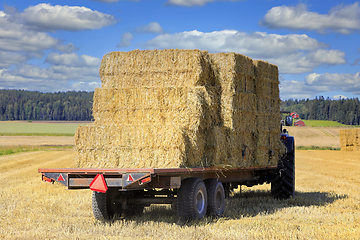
33	105
345	111
77	106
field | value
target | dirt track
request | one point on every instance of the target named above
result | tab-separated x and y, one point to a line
6	141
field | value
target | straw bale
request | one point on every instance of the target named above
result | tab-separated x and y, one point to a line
350	139
266	70
109	146
231	149
169	67
221	155
269	148
183	106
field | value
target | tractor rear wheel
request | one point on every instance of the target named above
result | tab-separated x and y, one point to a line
283	183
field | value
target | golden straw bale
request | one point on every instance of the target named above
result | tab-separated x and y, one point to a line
266	70
169	67
182	108
194	107
350	139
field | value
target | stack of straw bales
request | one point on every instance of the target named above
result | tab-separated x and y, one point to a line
182	108
350	139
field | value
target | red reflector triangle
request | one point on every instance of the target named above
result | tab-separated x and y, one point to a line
130	178
98	184
60	178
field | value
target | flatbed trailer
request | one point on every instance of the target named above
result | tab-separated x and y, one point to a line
193	192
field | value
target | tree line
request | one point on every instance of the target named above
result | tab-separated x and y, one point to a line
345	111
77	106
33	105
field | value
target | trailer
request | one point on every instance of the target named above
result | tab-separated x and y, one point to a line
193	192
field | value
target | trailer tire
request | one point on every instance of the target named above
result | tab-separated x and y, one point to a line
104	205
192	199
283	183
216	197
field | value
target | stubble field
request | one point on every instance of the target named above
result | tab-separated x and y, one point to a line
326	205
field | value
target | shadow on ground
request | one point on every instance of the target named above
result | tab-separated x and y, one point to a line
246	204
252	203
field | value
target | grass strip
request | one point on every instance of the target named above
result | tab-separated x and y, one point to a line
317	148
324	123
38	134
19	149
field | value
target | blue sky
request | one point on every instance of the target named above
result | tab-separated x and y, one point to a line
58	45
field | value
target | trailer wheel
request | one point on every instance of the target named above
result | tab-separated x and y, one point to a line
283	183
105	206
216	197
192	199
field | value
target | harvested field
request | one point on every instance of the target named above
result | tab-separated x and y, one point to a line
6	141
39	128
316	136
326	205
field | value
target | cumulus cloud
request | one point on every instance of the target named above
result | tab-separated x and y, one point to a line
126	39
294	53
316	83
66	71
17	37
10	58
345	81
72	59
338	97
343	19
69	18
152	27
68	48
299	90
190	3
22	38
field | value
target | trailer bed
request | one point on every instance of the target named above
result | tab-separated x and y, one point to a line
147	178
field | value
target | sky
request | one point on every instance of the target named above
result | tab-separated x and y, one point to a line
58	45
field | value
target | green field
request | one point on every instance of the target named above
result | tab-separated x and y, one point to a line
23	128
323	123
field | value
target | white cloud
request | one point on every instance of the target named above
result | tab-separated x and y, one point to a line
72	59
316	83
336	81
338	97
294	53
10	58
341	19
17	37
70	18
126	39
66	71
189	3
152	27
299	90
85	86
70	47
